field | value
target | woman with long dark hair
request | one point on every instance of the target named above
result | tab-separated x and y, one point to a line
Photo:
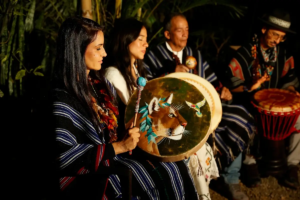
84	114
161	180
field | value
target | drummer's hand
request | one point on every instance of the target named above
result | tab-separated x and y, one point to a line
292	89
181	68
226	94
129	142
260	81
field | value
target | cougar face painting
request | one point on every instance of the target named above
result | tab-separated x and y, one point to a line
160	120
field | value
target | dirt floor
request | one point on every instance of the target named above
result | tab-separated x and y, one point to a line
271	189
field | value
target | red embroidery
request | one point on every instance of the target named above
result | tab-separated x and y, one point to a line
236	69
289	64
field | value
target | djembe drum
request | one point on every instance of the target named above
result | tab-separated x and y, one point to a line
175	116
278	111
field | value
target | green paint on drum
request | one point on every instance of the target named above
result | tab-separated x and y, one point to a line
196	128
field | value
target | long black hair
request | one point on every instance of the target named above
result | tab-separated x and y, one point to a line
74	36
127	32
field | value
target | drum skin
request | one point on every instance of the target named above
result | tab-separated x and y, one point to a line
174	119
278	111
277	100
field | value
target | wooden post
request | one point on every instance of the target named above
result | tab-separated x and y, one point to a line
86	7
118	8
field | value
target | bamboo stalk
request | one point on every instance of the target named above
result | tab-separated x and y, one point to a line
139	13
4	42
30	17
118	8
86	7
3	51
10	52
7	71
21	46
98	11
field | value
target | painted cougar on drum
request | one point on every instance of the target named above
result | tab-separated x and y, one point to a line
159	120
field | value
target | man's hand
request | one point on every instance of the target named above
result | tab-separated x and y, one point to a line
181	68
226	94
260	81
292	89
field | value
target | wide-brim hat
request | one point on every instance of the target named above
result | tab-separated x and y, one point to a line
278	19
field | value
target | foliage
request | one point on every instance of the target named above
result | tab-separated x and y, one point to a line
29	30
28	34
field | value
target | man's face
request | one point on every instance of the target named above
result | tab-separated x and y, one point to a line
272	37
178	34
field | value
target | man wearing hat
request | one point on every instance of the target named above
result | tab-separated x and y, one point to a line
274	68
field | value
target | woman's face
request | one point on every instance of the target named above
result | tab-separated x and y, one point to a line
138	47
94	53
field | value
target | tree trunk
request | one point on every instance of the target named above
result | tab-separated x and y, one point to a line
86	7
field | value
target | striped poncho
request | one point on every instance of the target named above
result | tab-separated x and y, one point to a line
236	127
83	155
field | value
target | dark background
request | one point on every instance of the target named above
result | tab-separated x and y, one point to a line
24	155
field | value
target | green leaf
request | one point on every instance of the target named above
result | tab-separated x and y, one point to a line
38	73
1	94
143	126
39	67
149	130
148	120
20	74
4	59
143	109
144	115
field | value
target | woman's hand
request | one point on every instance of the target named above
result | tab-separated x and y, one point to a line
226	94
129	142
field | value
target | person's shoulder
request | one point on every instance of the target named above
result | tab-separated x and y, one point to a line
112	74
62	96
111	69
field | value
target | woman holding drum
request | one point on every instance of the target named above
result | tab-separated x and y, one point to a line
262	66
154	179
84	115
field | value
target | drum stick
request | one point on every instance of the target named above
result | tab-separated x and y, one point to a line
141	82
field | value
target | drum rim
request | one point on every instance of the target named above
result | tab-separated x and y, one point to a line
211	91
191	151
255	102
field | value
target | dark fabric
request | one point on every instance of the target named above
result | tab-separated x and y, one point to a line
239	70
91	184
87	161
236	128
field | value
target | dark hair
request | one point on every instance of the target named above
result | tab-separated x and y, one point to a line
168	19
74	36
128	31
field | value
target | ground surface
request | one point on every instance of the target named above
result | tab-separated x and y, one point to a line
271	189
